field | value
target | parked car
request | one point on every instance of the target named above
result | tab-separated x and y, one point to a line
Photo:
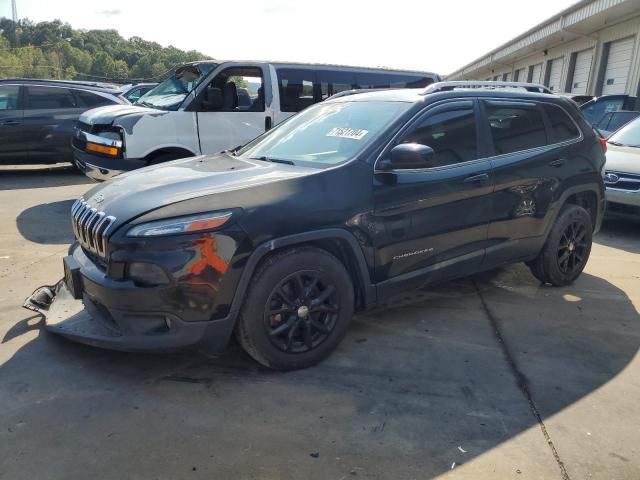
207	107
37	117
578	98
612	121
350	202
133	92
622	171
595	109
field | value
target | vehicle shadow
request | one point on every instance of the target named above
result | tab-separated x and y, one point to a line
411	382
19	178
620	233
54	215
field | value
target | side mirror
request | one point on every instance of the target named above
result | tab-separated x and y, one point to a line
408	156
212	99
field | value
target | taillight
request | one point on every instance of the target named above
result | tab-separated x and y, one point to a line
603	144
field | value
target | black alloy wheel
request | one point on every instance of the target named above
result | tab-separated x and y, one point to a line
573	248
301	311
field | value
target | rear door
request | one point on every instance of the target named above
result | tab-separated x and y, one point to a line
532	156
435	220
49	117
13	148
242	115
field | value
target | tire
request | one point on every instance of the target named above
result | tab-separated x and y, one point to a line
567	249
297	309
167	157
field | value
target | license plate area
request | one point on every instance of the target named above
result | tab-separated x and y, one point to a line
72	277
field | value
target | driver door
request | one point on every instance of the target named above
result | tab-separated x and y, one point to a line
231	109
435	219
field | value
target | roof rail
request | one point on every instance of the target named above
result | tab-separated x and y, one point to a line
470	84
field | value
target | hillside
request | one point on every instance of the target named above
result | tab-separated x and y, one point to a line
56	50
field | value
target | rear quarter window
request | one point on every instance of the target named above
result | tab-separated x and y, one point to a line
91	100
563	128
514	129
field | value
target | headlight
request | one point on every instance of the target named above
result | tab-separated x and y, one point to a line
106	143
175	226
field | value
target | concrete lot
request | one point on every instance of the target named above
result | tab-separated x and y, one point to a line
493	377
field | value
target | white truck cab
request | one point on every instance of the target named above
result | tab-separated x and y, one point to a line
206	107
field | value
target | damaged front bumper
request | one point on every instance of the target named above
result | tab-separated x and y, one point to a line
71	311
86	321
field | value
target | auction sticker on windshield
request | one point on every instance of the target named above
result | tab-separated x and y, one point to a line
344	132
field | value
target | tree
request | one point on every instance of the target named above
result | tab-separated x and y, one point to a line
56	50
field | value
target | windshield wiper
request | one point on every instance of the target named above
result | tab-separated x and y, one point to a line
274	160
617	144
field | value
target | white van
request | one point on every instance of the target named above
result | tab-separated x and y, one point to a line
207	107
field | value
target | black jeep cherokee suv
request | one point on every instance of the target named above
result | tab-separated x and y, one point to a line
344	205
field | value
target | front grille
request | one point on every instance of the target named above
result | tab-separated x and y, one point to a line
625	181
91	227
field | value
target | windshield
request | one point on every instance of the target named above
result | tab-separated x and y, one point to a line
169	94
628	136
326	133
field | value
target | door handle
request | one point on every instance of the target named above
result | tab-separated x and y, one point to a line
557	162
268	123
10	123
481	177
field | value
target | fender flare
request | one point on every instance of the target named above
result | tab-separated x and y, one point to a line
595	188
369	290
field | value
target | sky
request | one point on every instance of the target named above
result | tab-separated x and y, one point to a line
433	36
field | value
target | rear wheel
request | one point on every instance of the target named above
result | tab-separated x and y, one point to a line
297	309
567	249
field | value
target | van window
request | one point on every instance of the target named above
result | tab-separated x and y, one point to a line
515	128
451	134
9	97
237	89
296	89
335	81
45	98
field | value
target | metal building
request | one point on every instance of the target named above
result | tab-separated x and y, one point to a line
592	47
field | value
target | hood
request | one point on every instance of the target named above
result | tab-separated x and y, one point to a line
106	115
623	159
216	181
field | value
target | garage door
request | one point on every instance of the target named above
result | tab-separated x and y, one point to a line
581	72
618	66
555	74
537	74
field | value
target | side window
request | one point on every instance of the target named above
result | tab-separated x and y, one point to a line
563	128
134	94
91	100
9	95
451	134
332	82
44	98
515	128
296	87
236	89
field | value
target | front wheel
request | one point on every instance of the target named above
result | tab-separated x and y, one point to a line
567	248
297	309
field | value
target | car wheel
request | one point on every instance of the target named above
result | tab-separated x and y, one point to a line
567	248
166	157
297	309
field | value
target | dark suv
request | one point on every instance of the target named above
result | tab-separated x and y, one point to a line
37	117
344	205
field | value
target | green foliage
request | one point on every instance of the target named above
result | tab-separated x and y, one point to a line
56	50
